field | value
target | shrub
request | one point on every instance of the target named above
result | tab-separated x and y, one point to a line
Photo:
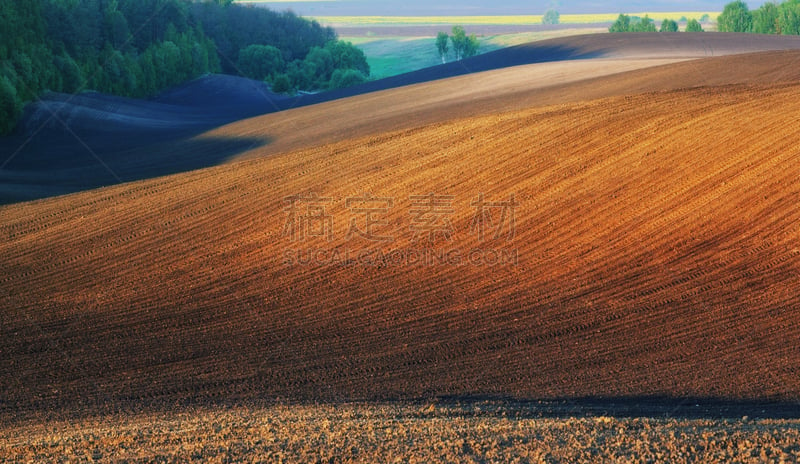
342	78
645	24
622	24
693	26
668	25
281	84
260	62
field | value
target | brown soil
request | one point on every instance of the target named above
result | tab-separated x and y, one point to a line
656	234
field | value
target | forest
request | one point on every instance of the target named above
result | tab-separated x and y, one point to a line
137	48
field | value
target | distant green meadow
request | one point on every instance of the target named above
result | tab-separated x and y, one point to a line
389	56
408	50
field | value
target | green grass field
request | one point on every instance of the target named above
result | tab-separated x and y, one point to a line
389	56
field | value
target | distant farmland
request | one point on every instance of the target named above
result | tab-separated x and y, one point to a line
397	54
399	44
352	21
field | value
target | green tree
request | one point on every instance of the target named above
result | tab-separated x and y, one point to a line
281	84
9	105
23	65
139	47
347	56
705	18
149	83
458	38
622	24
735	17
167	60
765	19
342	78
300	74
116	78
199	58
693	26
471	46
668	25
71	78
442	45
260	62
644	24
317	69
117	29
551	16
235	27
789	18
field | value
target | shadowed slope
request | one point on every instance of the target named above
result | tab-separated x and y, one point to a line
68	143
657	244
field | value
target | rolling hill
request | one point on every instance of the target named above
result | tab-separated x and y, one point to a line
654	251
73	143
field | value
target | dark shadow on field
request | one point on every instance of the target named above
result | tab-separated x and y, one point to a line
58	167
623	407
69	143
486	406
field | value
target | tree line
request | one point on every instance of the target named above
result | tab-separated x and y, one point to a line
136	48
625	23
770	18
